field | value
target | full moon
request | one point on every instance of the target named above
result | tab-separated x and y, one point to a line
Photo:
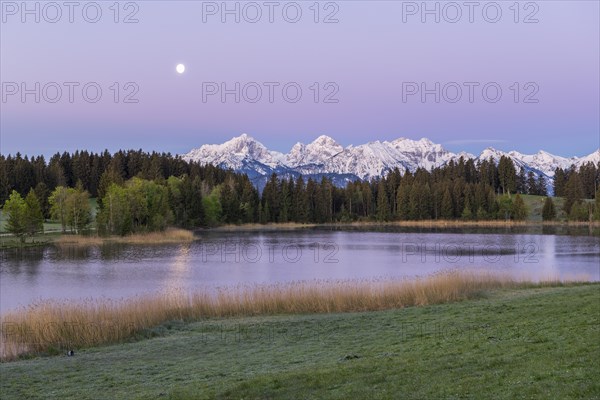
180	68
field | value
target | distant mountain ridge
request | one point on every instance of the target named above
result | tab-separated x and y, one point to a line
326	157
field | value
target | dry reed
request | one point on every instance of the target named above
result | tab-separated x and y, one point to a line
53	325
171	235
440	223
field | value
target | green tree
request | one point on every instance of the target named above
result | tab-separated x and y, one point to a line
114	218
16	210
532	187
549	210
560	181
542	185
519	211
505	207
573	191
467	214
285	201
507	174
597	205
58	206
42	193
521	183
79	213
300	201
34	219
383	204
481	214
447	207
403	200
579	212
212	207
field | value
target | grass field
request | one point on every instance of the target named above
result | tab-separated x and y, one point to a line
525	343
50	325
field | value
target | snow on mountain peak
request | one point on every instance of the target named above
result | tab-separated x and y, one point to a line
370	160
325	140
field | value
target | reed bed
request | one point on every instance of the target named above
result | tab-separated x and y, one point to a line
171	235
52	326
440	223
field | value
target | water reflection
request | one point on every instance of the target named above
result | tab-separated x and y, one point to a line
179	270
232	258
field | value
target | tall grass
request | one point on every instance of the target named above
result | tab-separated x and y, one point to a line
441	223
170	235
52	326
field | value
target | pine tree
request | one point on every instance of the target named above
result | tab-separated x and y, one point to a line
560	180
284	202
521	183
531	183
548	211
573	192
597	205
542	185
42	193
467	214
194	204
519	211
403	201
301	201
447	207
383	205
506	174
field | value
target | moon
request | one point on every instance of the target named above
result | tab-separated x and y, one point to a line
180	68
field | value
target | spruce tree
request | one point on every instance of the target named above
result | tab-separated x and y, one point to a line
521	181
42	193
467	214
542	185
383	204
507	174
519	211
597	205
548	211
447	207
560	180
573	191
403	201
531	183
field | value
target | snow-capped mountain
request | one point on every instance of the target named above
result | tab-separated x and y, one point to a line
326	157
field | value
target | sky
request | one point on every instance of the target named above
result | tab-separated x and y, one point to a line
515	78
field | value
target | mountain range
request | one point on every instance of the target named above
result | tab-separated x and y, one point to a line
326	157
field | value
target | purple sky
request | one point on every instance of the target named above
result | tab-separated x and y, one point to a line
368	54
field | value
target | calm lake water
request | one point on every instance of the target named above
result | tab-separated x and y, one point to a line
220	259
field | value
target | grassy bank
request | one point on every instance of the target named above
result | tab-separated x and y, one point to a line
510	343
52	326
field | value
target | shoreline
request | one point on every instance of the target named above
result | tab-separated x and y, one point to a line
408	224
178	235
51	324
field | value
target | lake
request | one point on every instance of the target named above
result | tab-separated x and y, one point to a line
219	259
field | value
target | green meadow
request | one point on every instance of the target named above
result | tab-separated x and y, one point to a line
505	344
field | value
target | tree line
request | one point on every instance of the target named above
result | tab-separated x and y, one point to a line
138	191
